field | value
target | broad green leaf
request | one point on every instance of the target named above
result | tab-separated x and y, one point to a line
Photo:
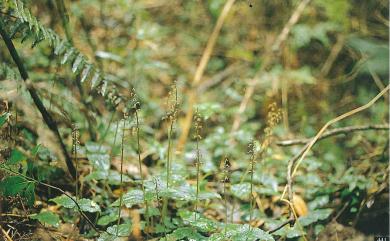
46	217
131	198
85	204
200	222
107	237
99	161
64	201
241	190
88	205
123	229
185	233
93	147
16	157
238	232
314	216
107	219
112	177
204	195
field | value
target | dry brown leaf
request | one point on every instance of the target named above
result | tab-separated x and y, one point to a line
300	206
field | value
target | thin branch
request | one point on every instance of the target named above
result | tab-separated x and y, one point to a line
37	101
333	132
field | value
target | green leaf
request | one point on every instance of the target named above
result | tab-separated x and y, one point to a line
16	157
287	231
241	190
85	204
131	198
85	73
4	118
13	185
123	229
100	161
88	205
93	147
185	233
200	222
208	195
106	237
68	54
36	150
78	63
95	80
314	216
46	217
64	201
237	232
107	219
110	235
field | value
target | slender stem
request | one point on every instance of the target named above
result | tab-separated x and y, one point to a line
37	101
121	178
169	153
197	168
140	170
251	191
75	140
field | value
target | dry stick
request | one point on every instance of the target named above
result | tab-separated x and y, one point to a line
332	56
378	82
299	158
5	234
192	94
333	132
267	61
37	101
56	188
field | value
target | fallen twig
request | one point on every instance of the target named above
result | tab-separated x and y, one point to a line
333	132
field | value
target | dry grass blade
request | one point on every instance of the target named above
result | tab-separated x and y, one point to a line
199	74
307	148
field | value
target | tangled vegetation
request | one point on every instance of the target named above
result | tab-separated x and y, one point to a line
194	120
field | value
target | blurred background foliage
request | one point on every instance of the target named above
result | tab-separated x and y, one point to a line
334	59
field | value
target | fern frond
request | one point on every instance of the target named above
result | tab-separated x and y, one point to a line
27	26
